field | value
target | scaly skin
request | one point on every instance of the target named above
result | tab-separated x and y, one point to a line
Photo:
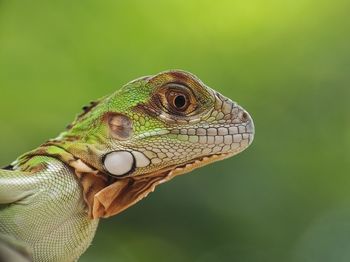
115	153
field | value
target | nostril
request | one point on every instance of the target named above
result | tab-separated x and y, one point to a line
244	117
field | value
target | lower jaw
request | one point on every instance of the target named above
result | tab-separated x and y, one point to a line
189	166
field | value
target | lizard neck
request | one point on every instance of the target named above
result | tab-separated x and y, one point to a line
91	179
66	149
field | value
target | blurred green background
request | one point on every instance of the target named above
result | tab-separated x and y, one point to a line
286	198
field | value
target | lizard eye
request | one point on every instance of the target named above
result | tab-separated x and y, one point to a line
178	99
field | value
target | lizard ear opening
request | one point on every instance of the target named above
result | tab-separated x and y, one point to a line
120	126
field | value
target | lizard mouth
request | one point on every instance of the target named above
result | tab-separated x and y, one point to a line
175	170
202	161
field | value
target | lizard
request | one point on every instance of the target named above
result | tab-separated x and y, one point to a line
110	157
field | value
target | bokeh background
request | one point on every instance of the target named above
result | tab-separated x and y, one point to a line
286	198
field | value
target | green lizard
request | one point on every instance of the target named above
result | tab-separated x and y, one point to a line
114	154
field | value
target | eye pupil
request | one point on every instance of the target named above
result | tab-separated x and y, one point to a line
180	101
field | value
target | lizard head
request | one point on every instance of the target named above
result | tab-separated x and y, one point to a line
152	129
172	120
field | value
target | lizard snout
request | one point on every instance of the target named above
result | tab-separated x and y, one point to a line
238	121
250	128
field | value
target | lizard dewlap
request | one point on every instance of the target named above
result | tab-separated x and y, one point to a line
111	156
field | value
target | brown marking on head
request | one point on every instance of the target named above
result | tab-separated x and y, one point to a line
177	77
69	126
147	109
8	167
71	138
88	108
